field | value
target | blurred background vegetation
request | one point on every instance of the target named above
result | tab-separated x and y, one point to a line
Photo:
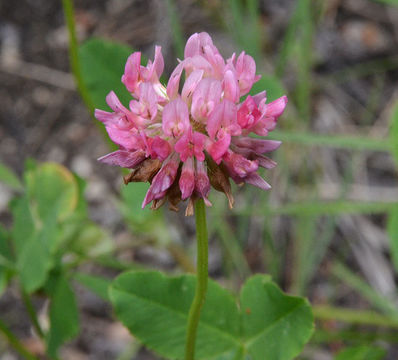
328	229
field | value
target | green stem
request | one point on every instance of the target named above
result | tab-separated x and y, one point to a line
15	343
74	54
76	66
32	314
176	31
358	317
202	275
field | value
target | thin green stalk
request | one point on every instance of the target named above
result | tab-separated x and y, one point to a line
353	336
176	31
74	54
15	343
358	317
245	25
76	66
304	59
202	275
380	302
232	248
32	314
336	141
322	207
288	42
181	257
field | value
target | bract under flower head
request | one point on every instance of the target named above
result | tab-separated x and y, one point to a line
185	143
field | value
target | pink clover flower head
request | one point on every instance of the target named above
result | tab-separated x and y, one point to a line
185	143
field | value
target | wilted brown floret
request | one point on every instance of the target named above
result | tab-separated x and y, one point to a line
219	179
144	172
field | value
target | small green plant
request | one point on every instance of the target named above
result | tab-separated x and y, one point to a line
51	234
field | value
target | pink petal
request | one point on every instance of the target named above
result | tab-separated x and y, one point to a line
248	113
197	62
187	179
199	140
231	86
191	83
166	175
219	148
158	62
216	60
125	138
256	180
265	162
224	116
132	72
192	46
148	198
196	44
107	117
259	97
114	103
149	99
214	121
174	81
239	165
175	118
123	158
151	196
202	182
183	146
264	126
205	97
246	72
258	146
161	148
276	107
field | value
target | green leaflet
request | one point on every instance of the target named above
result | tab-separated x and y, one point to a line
270	83
64	316
9	178
23	225
275	325
98	285
35	260
155	308
52	188
101	74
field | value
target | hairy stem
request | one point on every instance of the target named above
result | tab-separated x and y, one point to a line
201	283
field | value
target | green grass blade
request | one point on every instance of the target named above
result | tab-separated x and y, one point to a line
354	281
392	230
338	207
353	316
336	141
394	132
176	31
